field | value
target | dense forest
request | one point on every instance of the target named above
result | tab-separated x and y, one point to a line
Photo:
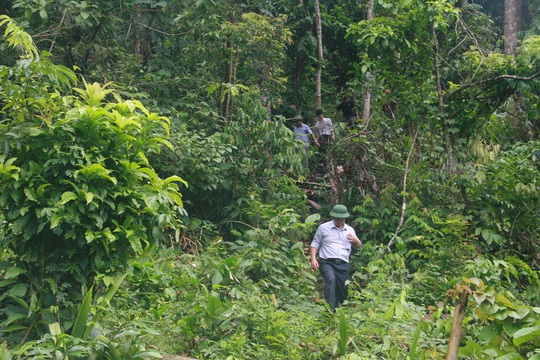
155	203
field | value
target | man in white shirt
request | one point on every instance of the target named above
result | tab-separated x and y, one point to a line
325	130
333	242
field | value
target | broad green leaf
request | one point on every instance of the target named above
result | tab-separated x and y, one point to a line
526	334
33	304
5	282
112	290
511	356
479	296
55	221
30	194
481	313
521	312
12	318
269	214
312	218
19	224
89	197
416	338
502	300
488	333
82	316
501	315
217	278
35	131
18	290
67	197
55	329
214	305
13	272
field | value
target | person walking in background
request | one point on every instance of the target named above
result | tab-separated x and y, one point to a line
334	241
325	130
303	132
347	107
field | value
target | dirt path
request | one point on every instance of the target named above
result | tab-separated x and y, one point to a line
176	357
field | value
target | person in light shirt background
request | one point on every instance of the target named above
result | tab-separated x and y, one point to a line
325	130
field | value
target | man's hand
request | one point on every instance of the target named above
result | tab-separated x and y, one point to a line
354	240
314	264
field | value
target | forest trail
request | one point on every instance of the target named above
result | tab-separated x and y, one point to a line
176	357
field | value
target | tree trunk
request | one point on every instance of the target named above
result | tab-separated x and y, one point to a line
457	326
318	96
227	100
366	92
449	146
512	25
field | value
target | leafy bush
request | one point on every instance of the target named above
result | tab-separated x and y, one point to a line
506	195
78	196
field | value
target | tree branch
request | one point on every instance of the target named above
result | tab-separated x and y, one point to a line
497	78
404	191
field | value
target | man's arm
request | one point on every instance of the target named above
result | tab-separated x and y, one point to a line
354	240
315	139
313	258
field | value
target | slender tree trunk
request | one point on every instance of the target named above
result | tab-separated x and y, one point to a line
512	25
457	326
449	147
227	100
318	96
366	92
404	191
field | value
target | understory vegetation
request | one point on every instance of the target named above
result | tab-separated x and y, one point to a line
154	201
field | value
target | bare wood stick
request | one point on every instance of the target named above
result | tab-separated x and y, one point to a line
404	203
457	326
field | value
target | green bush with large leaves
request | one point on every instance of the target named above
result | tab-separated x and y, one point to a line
78	196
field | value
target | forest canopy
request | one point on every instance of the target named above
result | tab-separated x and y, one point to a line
154	199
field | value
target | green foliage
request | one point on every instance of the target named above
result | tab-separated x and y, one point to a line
271	251
91	165
78	195
505	188
510	329
17	37
83	186
258	42
204	159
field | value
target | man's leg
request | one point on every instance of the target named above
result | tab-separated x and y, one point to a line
341	274
305	155
327	273
324	141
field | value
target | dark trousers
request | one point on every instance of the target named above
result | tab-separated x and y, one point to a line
334	274
324	141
